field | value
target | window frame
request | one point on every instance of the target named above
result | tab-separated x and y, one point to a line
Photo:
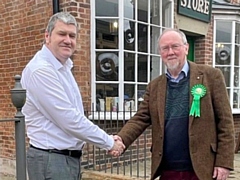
121	50
231	88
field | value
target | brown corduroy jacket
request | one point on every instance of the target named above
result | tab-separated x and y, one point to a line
211	136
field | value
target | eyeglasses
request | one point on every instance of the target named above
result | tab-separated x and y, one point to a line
174	47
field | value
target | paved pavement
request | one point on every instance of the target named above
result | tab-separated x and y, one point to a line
234	175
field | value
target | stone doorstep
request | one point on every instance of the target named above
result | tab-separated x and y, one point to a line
7	167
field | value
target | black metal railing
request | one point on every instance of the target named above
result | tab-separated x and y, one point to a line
135	162
18	96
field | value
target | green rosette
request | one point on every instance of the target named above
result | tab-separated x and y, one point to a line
198	91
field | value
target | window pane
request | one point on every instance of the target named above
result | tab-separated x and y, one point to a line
142	38
155	18
129	35
155	67
236	99
236	77
106	8
228	92
106	66
106	97
129	102
223	54
129	66
226	74
142	68
128	91
237	38
106	35
140	93
143	10
155	32
128	9
237	57
223	31
167	13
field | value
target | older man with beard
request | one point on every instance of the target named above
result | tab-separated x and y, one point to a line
189	111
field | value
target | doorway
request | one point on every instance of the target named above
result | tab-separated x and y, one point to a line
191	42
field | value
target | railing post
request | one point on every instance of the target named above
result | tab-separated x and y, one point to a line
18	96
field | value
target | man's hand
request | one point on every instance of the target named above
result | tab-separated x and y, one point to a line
220	173
118	147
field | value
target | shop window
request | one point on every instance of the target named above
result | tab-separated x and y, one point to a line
227	49
124	50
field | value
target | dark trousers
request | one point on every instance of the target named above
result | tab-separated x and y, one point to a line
178	175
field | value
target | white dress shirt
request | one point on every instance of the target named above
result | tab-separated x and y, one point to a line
53	110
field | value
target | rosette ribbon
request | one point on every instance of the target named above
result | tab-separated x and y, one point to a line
198	91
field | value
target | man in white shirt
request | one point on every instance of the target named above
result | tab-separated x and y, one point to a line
56	125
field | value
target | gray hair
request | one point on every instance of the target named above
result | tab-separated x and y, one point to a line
183	36
64	17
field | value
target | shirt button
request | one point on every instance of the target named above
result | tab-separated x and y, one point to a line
160	154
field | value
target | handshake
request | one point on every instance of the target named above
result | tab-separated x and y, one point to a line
118	146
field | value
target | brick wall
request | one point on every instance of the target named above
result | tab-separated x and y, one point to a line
21	34
204	48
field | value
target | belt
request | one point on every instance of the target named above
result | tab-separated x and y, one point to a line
72	153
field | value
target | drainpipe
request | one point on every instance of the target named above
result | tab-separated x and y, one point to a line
55	6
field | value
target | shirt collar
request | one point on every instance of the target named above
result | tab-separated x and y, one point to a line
53	60
185	68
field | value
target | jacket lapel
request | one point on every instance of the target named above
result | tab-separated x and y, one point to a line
161	98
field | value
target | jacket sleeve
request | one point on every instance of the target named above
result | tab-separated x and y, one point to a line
138	123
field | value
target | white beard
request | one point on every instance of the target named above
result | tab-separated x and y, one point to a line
172	66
